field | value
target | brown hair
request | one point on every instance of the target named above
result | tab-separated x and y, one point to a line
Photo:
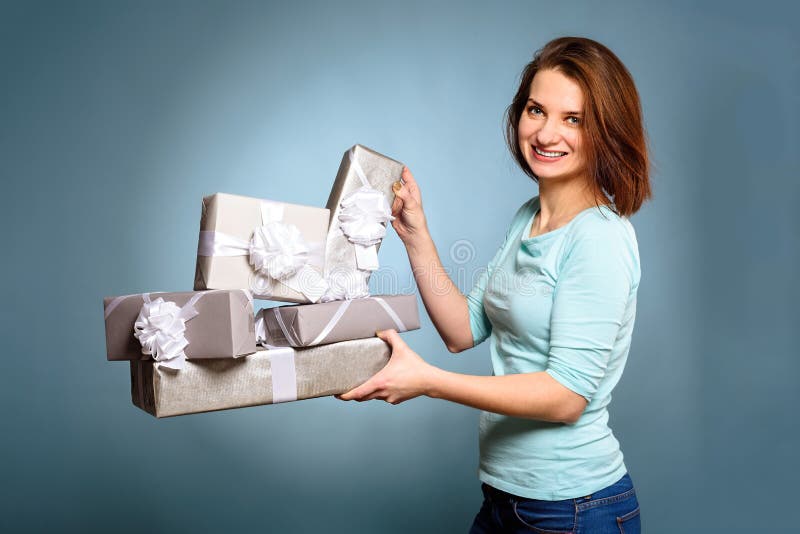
616	146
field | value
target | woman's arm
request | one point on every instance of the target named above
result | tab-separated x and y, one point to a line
530	395
445	304
590	306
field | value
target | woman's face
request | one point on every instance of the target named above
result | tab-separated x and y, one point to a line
551	128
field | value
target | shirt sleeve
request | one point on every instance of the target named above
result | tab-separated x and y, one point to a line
478	320
590	298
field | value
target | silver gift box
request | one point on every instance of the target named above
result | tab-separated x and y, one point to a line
307	325
381	172
223	328
209	385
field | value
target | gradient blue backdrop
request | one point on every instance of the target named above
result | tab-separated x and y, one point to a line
116	117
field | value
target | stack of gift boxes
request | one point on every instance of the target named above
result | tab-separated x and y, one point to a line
205	350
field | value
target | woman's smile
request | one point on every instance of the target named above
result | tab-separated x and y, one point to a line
547	155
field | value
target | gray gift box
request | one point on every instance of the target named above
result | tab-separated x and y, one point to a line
221	384
237	217
381	172
317	324
223	328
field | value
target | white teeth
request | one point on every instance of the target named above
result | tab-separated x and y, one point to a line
549	154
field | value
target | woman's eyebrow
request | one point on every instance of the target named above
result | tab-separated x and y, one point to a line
537	104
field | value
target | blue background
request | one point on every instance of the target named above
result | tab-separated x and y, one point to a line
116	117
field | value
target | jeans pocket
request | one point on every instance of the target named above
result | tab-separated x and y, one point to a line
546	517
630	523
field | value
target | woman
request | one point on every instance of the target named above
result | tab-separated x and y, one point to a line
557	302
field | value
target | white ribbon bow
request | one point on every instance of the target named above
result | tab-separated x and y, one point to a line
346	285
278	250
160	328
364	215
363	218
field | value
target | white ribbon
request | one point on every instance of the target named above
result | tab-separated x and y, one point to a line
284	374
262	332
261	328
332	323
160	328
276	251
363	218
113	305
401	327
287	332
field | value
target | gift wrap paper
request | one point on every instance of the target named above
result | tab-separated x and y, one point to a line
208	385
239	216
317	324
223	328
381	172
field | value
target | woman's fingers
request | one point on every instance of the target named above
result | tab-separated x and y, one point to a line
392	338
376	395
407	190
397	205
377	387
408	178
371	388
401	191
358	393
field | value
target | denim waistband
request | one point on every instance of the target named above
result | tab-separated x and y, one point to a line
621	489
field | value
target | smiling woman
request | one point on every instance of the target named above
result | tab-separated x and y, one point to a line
548	460
593	102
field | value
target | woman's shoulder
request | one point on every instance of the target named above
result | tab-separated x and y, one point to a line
604	224
602	237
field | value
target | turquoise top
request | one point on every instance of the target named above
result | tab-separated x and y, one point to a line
564	303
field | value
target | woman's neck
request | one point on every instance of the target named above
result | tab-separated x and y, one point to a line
559	203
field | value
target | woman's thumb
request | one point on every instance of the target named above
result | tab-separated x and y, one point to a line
400	190
389	336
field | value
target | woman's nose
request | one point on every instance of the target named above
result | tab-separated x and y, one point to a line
547	134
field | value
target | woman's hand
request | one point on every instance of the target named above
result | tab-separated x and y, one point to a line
405	376
409	222
530	395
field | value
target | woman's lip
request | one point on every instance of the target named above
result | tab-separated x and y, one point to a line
545	158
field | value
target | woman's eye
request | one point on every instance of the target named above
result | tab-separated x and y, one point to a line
573	120
534	110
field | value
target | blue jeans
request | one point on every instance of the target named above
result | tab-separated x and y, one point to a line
613	510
